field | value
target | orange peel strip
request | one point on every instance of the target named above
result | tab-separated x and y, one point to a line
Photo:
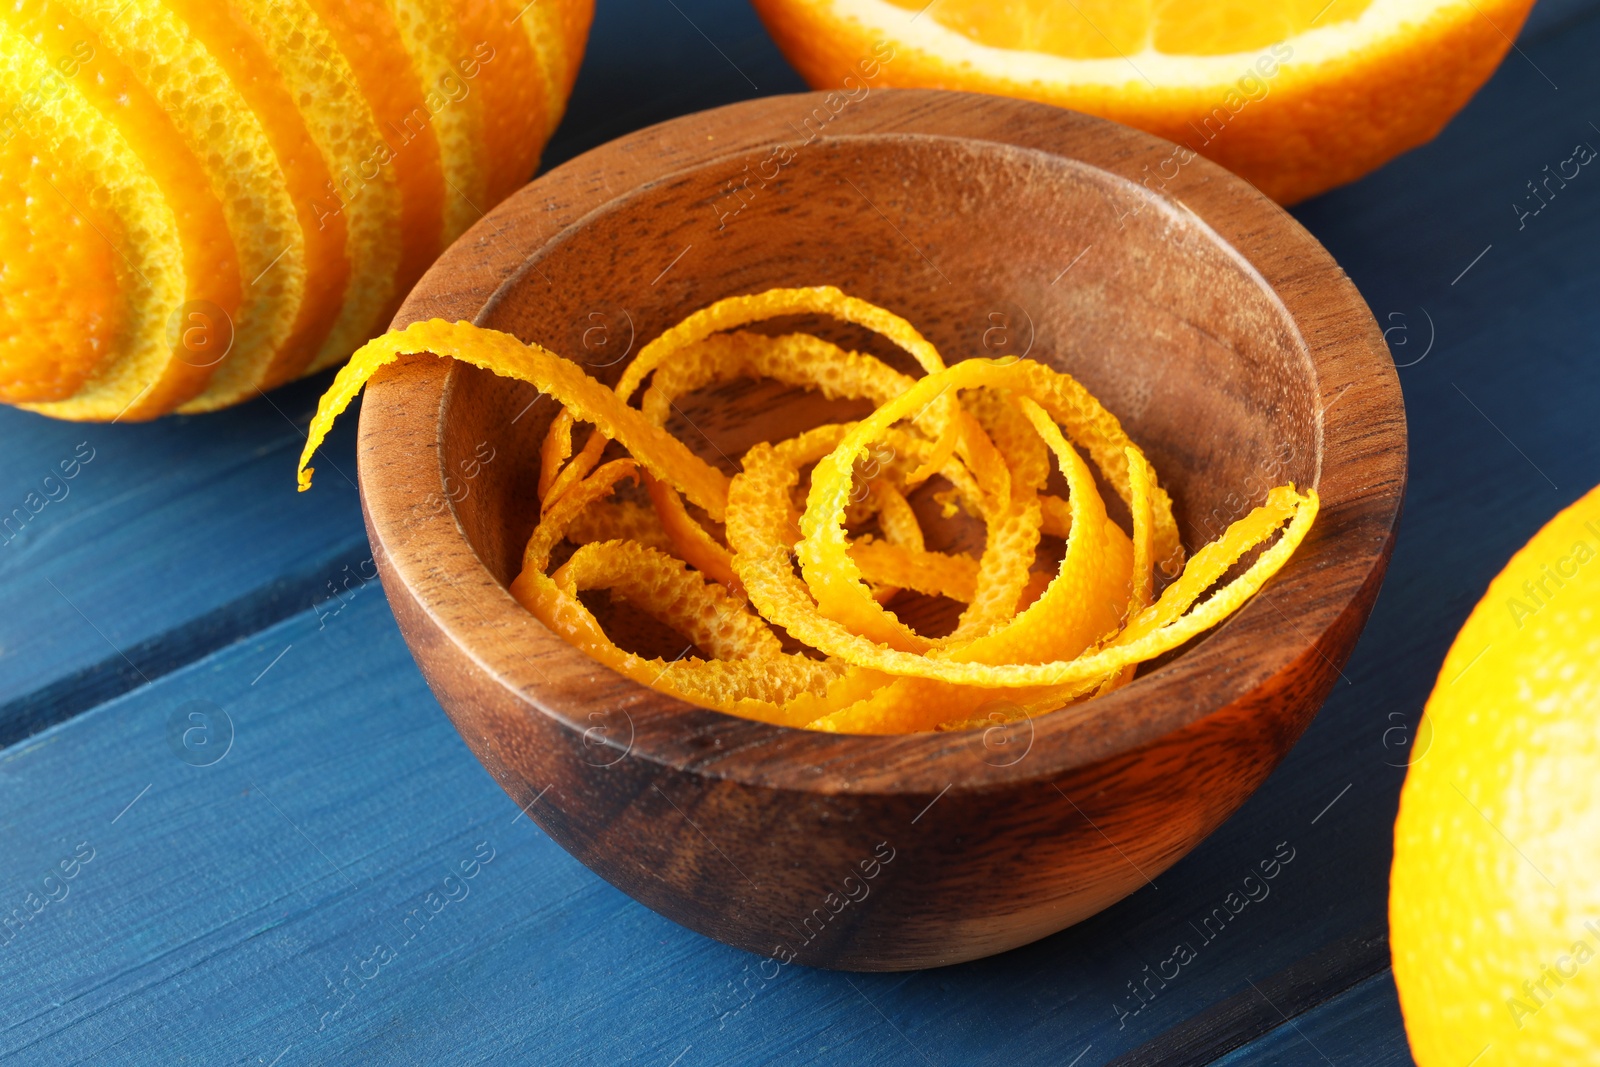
933	573
793	359
655	449
1079	605
758	687
736	311
1140	476
755	526
576	471
691	540
1055	517
1088	595
1081	631
900	527
1005	579
896	518
1017	691
619	520
833	579
1212	561
1100	434
663	588
554	453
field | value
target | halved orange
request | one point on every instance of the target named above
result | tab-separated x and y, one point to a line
1296	96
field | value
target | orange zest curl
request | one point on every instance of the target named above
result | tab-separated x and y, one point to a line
789	613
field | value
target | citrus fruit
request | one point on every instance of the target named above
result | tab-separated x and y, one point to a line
212	198
1494	906
1297	97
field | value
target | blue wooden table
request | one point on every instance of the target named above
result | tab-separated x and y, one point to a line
283	854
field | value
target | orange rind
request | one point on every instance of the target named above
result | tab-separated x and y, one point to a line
750	571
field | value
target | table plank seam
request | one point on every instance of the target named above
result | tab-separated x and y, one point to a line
1267	1005
135	666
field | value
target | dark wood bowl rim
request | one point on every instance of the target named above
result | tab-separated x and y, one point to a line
1344	348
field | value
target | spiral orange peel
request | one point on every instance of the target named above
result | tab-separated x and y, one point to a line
751	573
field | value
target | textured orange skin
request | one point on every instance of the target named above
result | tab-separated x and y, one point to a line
514	106
85	302
1317	128
251	68
1496	875
52	334
210	260
371	43
570	22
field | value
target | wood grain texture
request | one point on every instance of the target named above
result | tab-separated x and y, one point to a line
1266	1004
127	551
1234	349
1360	1026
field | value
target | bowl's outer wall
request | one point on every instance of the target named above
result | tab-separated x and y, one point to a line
896	853
784	873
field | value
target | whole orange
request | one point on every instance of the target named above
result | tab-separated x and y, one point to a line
209	198
1494	903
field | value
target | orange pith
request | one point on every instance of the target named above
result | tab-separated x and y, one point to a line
1099	29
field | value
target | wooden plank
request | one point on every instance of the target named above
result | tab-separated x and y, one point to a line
221	903
1361	1026
128	550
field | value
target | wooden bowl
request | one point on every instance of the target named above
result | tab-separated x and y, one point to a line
1233	348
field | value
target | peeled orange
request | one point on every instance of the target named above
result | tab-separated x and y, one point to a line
1494	907
1296	96
207	198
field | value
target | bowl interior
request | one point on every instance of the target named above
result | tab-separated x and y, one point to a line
989	250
